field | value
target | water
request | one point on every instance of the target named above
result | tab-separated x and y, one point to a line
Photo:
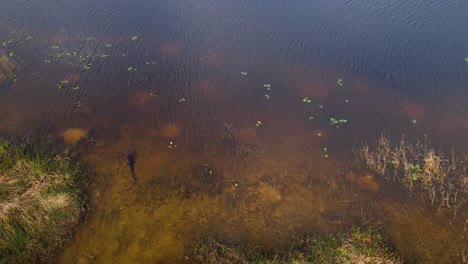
190	83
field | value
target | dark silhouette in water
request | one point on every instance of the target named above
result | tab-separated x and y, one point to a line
131	159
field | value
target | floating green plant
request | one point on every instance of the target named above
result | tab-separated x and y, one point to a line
346	101
340	82
325	150
334	121
55	47
135	38
48	61
172	144
87	66
244	73
319	134
150	62
311	118
108	45
267	86
267	96
414	121
104	56
4	43
182	99
82	58
153	95
320	106
259	123
132	69
76	87
466	59
307	100
11	54
89	38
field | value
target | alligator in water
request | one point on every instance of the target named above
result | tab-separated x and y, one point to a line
131	158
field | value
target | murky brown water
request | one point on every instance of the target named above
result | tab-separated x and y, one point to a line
246	90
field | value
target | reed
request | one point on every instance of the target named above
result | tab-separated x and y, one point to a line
440	177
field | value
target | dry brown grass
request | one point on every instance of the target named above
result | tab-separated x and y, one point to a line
7	66
39	205
419	167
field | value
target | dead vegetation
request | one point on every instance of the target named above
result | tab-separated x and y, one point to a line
441	178
39	204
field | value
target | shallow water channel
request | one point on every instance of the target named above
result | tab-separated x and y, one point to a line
243	116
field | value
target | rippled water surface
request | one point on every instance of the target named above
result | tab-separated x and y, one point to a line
246	92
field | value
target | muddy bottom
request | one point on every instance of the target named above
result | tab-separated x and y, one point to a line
259	193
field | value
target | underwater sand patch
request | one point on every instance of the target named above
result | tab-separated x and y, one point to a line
212	58
413	110
315	89
170	130
367	182
73	135
139	97
169	49
72	78
268	194
248	135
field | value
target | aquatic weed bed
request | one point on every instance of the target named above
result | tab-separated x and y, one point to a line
355	246
440	178
41	201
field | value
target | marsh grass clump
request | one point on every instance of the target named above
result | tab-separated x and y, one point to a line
6	66
418	167
357	246
40	203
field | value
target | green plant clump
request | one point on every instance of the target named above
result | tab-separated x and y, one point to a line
356	246
418	167
40	204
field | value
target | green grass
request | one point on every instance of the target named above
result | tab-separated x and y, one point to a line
40	203
355	246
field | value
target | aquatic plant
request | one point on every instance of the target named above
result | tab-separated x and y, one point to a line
40	203
7	66
439	177
339	82
355	246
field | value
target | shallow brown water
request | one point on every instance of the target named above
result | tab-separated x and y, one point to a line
227	84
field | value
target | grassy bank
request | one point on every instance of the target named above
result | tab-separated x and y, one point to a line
40	203
441	179
355	246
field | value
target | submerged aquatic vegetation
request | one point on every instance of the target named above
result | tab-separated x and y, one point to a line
441	178
40	204
356	246
7	66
